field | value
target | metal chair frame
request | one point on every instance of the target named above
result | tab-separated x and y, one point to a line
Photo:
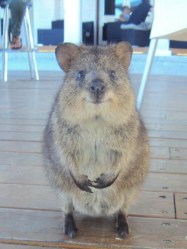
30	45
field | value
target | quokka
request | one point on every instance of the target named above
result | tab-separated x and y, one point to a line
96	147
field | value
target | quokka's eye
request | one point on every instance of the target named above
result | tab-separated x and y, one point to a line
80	75
112	74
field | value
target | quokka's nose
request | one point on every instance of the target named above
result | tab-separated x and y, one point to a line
97	87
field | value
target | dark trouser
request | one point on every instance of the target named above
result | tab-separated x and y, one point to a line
17	9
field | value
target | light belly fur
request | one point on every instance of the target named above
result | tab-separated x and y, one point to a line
101	202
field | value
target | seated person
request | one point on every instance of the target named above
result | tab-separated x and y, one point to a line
17	10
124	17
140	13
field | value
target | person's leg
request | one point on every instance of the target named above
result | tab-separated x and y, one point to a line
17	9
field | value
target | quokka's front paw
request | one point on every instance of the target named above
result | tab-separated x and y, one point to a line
104	181
83	182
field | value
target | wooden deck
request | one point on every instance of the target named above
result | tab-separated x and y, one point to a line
30	217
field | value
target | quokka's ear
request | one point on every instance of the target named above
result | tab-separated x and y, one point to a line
124	52
65	54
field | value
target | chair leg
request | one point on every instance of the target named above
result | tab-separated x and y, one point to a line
146	72
30	43
5	45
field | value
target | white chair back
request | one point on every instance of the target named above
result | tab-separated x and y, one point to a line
170	20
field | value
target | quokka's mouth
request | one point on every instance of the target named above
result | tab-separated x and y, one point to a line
96	101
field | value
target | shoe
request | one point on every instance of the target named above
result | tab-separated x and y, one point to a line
16	43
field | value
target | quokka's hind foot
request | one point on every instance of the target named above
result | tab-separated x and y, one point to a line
70	226
122	226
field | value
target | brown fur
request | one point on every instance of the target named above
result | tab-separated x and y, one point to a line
95	144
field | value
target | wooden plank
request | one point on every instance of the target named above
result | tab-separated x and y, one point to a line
168	142
20	96
160	114
163	114
21	128
181	206
163	82
178	153
168	166
29	197
168	104
22	122
24	115
14	246
156	100
166	182
154	204
166	126
21	136
52	82
27	108
160	152
149	204
167	121
21	132
20	159
46	229
168	134
20	146
26	175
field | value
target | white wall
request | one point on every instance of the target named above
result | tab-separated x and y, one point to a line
89	12
45	11
72	28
